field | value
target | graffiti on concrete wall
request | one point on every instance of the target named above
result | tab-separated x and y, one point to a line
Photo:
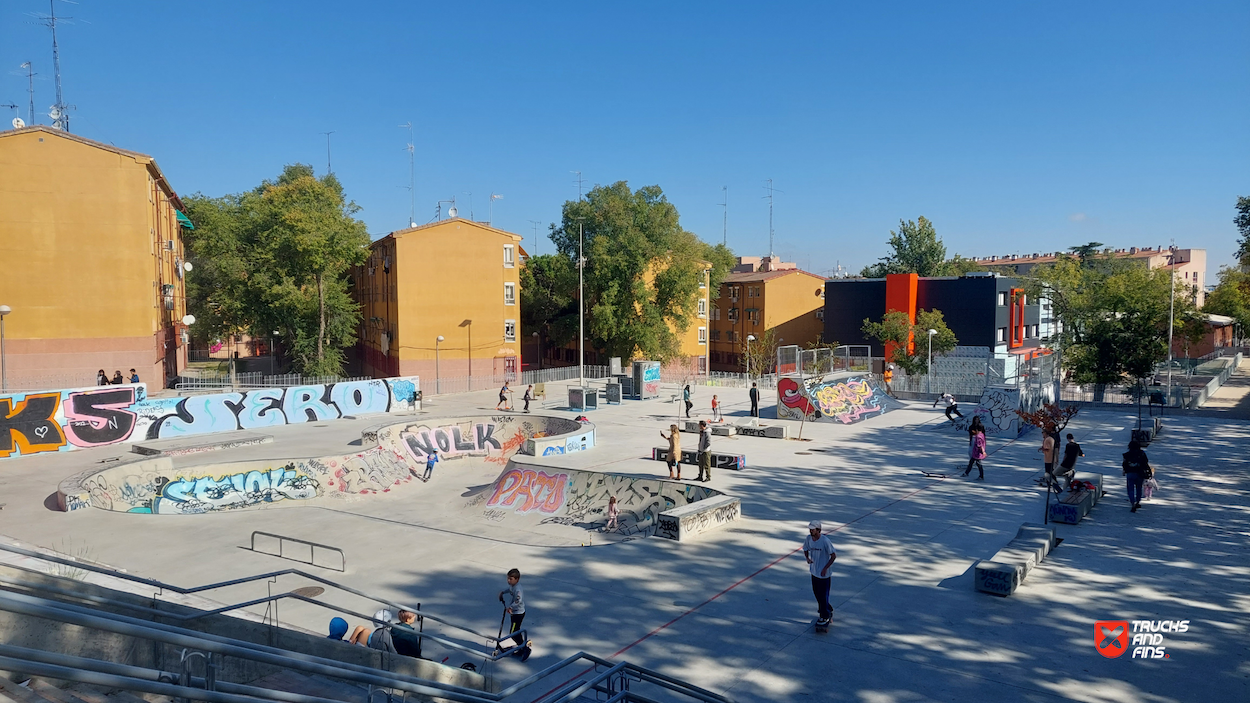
526	490
997	411
201	494
690	457
844	399
451	441
91	417
639	500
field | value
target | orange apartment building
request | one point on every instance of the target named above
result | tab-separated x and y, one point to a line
91	242
764	294
456	279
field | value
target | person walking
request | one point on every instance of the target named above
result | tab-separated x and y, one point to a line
613	513
952	406
1137	469
1068	466
503	398
529	395
716	416
888	375
818	550
430	460
705	451
976	448
514	605
755	400
674	450
1050	450
685	396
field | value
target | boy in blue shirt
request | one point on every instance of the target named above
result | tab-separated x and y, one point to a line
429	465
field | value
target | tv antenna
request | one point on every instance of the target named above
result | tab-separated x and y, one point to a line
470	204
769	197
490	219
412	176
60	111
30	89
536	223
579	183
329	168
725	225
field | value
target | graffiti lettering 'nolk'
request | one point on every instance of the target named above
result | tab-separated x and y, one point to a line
452	441
525	490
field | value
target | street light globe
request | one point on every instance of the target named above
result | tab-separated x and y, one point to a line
188	320
932	332
5	310
750	338
439	338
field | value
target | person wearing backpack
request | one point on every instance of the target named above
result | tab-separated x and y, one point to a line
1137	469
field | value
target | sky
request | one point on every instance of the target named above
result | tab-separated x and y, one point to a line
1014	127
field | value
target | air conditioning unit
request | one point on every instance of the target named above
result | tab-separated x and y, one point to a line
169	245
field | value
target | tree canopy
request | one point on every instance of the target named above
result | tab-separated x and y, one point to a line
1231	297
916	248
276	258
642	271
896	329
1242	220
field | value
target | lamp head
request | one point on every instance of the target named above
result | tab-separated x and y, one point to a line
439	338
932	332
5	310
750	338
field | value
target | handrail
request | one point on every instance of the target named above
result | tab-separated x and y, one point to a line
169	634
313	555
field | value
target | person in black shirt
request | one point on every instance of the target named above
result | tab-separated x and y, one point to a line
755	401
1137	469
1068	466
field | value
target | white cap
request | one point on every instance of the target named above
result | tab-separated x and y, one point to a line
813	525
384	615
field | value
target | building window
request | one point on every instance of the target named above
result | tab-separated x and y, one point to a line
509	294
733	293
733	314
715	335
716	313
703	364
508	259
1002	334
702	335
702	307
820	314
509	330
1002	302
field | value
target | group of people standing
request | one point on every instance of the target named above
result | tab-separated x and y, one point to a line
674	451
102	379
717	416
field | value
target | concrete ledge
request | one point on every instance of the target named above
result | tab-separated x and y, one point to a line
996	578
688	521
737	462
1030	529
210	446
769	431
1071	507
1096	479
1023	557
717	429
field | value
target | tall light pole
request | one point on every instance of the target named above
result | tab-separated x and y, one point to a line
1171	314
4	310
929	380
539	341
438	379
750	338
581	305
469	324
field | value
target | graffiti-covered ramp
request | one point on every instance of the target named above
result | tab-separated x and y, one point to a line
844	398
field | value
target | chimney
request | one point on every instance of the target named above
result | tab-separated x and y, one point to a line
1132	250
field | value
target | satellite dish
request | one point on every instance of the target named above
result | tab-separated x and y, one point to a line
186	266
54	113
18	123
451	212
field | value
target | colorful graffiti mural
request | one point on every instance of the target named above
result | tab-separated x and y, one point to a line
842	397
525	490
646	379
91	417
202	494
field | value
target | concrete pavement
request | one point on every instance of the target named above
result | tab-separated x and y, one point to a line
732	611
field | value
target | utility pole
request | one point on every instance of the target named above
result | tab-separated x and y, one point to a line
581	303
579	182
30	79
60	111
1171	313
771	190
329	168
412	176
536	223
725	225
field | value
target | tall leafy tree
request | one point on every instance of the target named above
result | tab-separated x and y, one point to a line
642	270
549	298
1085	251
915	249
897	329
1242	220
1231	297
277	258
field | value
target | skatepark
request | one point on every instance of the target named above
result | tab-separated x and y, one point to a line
731	610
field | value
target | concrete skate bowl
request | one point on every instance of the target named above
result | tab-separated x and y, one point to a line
844	398
997	410
397	456
531	498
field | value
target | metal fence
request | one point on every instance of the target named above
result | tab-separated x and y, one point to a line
21	383
719	379
256	380
448	385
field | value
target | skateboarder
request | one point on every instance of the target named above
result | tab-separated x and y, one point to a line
514	605
705	451
818	551
716	416
529	395
1050	450
1067	467
952	406
755	401
430	460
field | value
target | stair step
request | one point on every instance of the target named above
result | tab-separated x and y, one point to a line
295	682
87	693
20	694
125	697
51	691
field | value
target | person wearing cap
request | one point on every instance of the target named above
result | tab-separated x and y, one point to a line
818	550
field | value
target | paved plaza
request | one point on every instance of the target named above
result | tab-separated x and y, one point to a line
732	611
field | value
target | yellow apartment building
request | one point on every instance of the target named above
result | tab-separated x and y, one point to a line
455	278
762	294
93	262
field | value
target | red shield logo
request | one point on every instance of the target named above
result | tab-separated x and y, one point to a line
1111	637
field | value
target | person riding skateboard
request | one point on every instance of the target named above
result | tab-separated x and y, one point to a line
818	550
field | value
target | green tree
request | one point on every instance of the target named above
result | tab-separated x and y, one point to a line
642	271
1242	220
760	356
1231	297
1085	251
916	249
277	258
549	299
897	329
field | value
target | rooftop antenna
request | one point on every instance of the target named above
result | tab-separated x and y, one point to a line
60	111
579	182
771	190
30	78
536	223
329	168
725	225
470	204
490	219
412	179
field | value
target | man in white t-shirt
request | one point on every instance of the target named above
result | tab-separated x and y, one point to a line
820	557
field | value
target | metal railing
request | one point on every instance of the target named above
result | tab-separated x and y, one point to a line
449	385
218	382
312	556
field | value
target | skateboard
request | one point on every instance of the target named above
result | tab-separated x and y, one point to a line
524	651
822	629
935	474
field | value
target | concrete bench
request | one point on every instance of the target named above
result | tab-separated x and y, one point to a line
1096	479
769	431
717	429
690	457
1070	507
1003	573
688	521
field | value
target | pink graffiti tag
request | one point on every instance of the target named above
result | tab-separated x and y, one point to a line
538	490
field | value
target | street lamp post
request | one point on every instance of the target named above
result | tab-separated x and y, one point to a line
581	306
4	310
750	338
1171	314
539	341
469	324
929	379
438	379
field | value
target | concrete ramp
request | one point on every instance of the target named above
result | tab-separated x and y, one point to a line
997	410
845	397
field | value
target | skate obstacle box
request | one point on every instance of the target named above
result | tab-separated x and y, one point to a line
690	457
769	431
1003	573
1072	506
685	522
722	430
583	399
612	393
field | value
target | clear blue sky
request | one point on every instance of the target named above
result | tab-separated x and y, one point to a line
1016	127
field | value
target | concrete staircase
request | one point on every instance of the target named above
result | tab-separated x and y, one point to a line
39	690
